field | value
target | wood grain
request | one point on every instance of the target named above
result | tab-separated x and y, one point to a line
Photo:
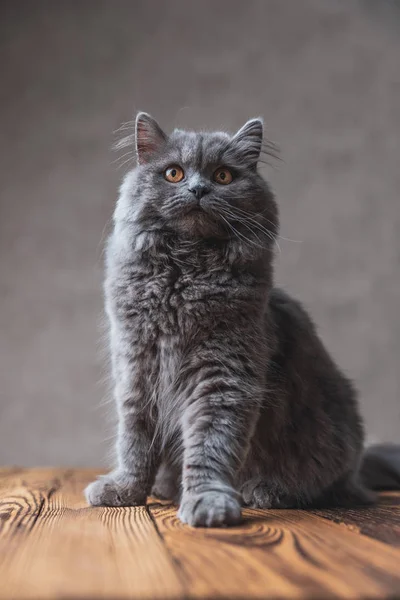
22	497
53	546
380	522
65	549
283	554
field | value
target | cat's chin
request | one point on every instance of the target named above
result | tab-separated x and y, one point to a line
198	224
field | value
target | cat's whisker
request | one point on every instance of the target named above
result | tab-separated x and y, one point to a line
245	222
252	217
240	234
237	211
241	221
256	224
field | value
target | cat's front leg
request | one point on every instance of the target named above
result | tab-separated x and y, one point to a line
217	427
130	482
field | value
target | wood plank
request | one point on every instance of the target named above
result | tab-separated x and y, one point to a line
23	494
54	546
381	522
283	554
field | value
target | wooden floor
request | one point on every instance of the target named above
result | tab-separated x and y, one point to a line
52	545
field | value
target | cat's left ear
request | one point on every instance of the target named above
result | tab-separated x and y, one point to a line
149	136
248	140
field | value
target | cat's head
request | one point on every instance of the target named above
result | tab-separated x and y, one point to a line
199	184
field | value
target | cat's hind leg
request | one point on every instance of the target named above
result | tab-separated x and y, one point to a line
347	492
261	492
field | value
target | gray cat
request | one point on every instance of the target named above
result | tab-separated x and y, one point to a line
225	394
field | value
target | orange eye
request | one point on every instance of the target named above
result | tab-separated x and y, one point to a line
223	176
174	174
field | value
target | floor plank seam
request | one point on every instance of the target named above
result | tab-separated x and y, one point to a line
174	560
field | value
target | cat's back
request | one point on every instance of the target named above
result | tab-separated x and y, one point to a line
296	334
288	311
304	368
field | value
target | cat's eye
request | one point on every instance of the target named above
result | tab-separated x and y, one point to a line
174	174
223	176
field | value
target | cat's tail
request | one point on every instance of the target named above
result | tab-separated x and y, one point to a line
380	467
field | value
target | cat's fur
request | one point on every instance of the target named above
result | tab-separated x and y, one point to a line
225	394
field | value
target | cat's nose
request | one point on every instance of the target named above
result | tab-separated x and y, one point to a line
199	190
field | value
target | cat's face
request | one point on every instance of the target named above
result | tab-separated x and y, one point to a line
200	184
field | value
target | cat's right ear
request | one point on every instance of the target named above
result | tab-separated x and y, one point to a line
149	136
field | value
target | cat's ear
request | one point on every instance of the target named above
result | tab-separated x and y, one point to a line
149	136
248	140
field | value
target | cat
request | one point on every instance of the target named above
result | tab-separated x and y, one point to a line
224	392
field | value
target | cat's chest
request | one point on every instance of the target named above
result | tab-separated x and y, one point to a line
170	301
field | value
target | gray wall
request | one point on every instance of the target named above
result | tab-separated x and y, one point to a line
325	75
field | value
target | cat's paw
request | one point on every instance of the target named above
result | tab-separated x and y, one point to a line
258	493
115	489
209	509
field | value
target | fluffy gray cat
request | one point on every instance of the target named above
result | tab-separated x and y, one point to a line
225	394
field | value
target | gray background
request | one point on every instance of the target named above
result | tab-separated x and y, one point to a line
325	74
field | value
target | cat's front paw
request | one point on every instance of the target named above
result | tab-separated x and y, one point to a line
115	489
209	509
